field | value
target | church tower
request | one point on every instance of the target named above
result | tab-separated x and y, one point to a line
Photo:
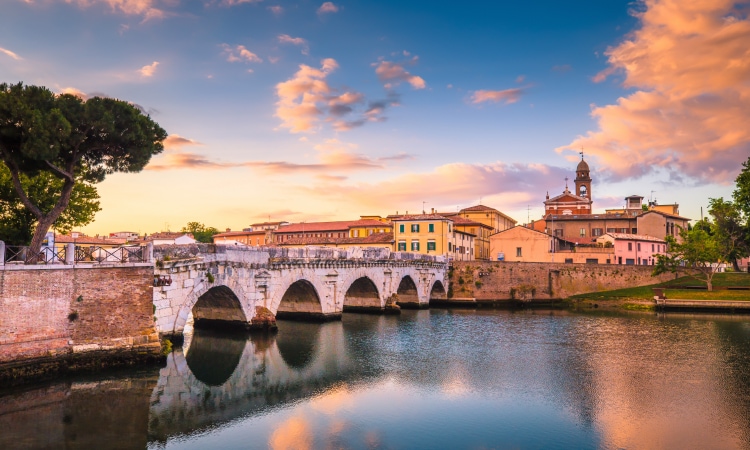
583	180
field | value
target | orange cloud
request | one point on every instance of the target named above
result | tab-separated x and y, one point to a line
148	70
299	96
690	64
276	9
10	53
391	74
239	53
175	141
328	7
507	96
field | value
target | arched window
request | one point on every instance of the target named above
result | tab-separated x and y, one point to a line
582	190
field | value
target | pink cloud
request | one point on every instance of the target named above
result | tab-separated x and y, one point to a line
175	141
148	70
145	8
286	39
690	65
506	96
511	186
328	7
10	53
276	9
239	54
391	74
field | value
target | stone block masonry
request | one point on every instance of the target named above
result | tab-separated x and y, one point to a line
495	280
58	318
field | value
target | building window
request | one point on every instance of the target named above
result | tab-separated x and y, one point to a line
652	248
639	246
450	247
568	260
630	246
431	228
415	228
592	261
402	246
634	230
629	262
430	245
583	232
518	252
415	246
610	230
401	228
596	232
559	232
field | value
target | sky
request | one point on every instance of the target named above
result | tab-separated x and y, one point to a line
297	110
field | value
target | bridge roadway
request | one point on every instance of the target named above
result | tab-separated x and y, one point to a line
237	285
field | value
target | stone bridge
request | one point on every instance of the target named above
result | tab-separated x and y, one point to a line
236	286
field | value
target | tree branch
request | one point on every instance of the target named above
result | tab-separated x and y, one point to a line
68	176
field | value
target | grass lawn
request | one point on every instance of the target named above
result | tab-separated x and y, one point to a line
672	290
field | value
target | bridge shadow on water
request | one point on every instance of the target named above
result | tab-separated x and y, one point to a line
219	376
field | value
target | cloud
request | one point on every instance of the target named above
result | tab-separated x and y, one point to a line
76	92
286	39
333	156
276	9
10	53
237	2
689	67
239	54
299	97
148	71
175	141
511	186
506	96
328	7
391	74
145	8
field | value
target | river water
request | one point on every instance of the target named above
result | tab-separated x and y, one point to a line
475	379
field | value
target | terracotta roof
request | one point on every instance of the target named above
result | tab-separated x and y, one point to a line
479	208
343	225
374	238
240	233
82	239
675	216
267	223
573	198
423	217
635	237
458	220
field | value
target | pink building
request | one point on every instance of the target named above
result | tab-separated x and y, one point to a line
633	249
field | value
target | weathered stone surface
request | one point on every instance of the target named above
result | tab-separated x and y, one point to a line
306	283
263	320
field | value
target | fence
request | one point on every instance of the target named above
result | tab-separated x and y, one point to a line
75	254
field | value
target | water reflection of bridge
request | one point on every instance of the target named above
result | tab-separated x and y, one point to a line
218	378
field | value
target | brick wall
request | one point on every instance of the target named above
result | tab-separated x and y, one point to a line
54	312
496	280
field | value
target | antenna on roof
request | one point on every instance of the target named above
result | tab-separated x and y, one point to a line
423	207
528	212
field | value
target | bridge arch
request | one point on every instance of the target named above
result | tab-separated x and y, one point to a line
362	295
408	293
300	301
218	304
438	291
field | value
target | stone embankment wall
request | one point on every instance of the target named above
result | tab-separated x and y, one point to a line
57	317
497	280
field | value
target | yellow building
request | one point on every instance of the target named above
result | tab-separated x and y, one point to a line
488	216
481	235
431	234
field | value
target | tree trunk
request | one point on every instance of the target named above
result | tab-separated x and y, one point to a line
45	221
33	256
736	265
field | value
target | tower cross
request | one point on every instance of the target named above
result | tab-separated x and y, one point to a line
566	183
581	152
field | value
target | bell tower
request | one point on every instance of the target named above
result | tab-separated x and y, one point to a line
583	180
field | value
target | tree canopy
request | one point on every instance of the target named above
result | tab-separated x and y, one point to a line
200	232
697	254
73	140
